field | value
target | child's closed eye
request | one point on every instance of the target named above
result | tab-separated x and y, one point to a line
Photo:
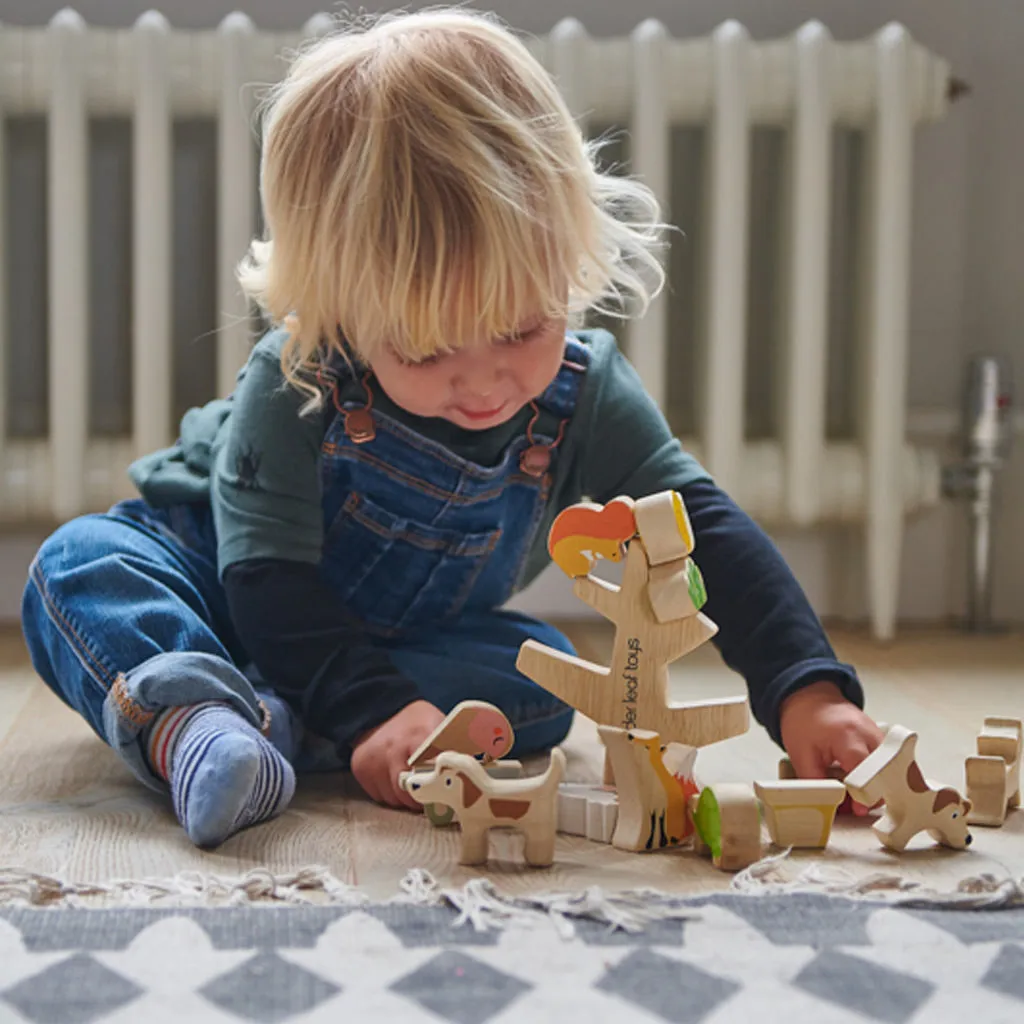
422	361
522	337
425	361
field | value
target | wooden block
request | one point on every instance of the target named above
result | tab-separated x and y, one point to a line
676	590
602	816
590	811
728	821
472	727
912	804
652	804
481	803
993	777
987	783
585	532
664	527
572	810
800	812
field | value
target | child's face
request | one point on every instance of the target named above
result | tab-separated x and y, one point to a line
482	384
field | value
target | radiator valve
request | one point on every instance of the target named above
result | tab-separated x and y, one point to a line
987	436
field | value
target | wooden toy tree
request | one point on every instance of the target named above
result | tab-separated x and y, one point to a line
658	619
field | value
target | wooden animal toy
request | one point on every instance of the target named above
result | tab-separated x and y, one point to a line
652	801
584	532
912	804
727	825
632	692
481	803
507	768
589	811
993	776
800	812
472	727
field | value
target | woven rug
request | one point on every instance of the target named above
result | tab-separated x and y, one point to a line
474	957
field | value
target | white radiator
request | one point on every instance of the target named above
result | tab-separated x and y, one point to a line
807	84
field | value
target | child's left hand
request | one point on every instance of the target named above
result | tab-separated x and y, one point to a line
820	728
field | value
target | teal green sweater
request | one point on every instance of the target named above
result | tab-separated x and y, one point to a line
617	443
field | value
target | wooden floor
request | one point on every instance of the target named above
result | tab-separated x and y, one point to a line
69	808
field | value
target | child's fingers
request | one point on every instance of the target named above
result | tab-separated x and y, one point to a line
370	787
400	798
850	750
809	762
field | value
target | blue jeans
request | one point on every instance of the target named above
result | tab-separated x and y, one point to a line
124	616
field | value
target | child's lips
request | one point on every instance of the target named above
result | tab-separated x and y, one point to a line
481	414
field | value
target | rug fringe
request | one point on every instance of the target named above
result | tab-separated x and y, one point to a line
977	892
186	889
482	907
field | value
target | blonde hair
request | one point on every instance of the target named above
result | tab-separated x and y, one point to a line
424	183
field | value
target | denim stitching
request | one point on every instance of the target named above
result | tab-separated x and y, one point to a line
513	578
458	549
91	661
459	601
471	580
361	455
128	705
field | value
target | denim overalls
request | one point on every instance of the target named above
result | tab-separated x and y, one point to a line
124	613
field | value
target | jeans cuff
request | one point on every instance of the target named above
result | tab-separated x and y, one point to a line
169	680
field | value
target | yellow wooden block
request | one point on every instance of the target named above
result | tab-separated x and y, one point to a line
664	527
800	812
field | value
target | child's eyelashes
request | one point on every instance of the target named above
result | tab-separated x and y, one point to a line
521	337
506	340
425	361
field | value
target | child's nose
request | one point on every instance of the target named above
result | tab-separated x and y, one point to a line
478	373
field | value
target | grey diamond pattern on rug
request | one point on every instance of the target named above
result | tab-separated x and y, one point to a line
1006	974
268	989
877	992
76	991
459	989
675	992
803	958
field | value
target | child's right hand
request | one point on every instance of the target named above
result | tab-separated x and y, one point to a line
381	755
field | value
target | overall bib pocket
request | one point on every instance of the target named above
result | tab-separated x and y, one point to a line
394	573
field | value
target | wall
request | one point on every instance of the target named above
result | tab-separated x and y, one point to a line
968	219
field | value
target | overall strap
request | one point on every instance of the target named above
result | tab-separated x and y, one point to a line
558	403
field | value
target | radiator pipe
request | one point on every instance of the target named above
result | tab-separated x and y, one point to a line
986	440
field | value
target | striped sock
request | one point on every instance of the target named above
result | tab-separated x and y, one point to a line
224	775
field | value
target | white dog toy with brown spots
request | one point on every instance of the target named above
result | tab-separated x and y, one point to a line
481	803
912	804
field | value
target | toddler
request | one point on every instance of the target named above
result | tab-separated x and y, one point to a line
316	572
